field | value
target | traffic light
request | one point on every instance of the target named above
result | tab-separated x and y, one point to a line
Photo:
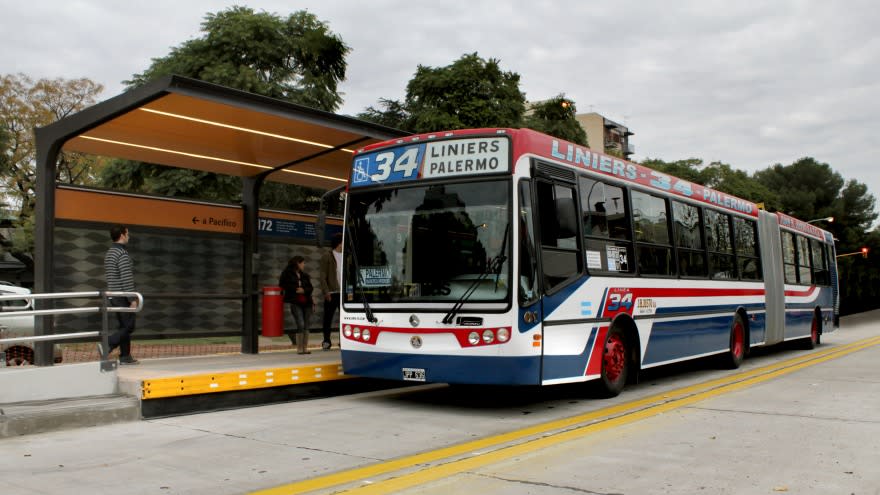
864	252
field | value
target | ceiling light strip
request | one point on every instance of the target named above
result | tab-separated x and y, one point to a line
205	157
244	129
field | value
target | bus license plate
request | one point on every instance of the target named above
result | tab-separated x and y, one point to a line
414	374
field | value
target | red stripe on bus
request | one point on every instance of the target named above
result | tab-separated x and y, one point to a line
594	366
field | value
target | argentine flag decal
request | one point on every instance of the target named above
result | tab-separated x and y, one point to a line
586	308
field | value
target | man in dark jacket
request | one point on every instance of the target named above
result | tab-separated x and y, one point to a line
331	278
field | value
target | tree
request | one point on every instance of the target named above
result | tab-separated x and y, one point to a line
469	93
296	59
24	106
556	117
717	175
806	188
809	189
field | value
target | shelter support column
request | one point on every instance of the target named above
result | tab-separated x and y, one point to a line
250	198
44	238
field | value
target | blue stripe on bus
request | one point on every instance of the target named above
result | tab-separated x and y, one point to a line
484	370
672	340
717	308
798	324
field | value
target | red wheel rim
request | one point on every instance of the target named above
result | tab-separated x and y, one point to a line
737	346
614	358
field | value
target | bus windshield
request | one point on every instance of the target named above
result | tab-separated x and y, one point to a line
430	243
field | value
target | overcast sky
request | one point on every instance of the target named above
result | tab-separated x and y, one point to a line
749	85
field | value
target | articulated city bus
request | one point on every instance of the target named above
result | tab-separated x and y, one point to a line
506	256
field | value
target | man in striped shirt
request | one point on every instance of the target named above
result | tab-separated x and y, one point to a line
119	271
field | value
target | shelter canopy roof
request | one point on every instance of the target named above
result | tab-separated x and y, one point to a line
186	123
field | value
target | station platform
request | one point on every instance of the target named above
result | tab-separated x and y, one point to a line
170	386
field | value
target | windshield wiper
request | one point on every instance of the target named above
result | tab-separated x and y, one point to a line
493	266
354	259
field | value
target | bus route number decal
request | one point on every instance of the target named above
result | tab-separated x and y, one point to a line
384	167
618	300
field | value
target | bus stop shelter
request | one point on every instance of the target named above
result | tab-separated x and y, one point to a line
186	123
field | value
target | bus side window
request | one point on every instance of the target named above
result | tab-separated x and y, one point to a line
606	228
653	245
747	254
788	257
559	247
804	262
720	244
821	276
687	232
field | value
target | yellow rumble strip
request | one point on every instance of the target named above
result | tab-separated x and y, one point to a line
240	380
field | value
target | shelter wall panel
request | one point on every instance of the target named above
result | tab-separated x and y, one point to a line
165	262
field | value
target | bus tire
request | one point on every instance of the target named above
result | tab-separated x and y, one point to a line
815	333
736	350
615	363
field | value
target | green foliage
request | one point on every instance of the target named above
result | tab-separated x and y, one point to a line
469	93
26	104
169	181
556	117
808	189
297	59
394	115
860	277
805	188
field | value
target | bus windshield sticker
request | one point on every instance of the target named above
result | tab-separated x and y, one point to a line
376	276
594	260
617	259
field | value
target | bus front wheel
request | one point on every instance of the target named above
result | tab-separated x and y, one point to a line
615	363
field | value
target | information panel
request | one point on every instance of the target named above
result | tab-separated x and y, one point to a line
431	160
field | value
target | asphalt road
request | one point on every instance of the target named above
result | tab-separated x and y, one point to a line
788	421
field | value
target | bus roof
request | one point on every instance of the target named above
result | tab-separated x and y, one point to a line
528	141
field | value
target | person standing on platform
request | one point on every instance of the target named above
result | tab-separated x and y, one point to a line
331	280
119	272
298	293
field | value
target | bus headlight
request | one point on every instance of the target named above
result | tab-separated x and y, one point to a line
357	333
488	336
365	334
503	335
347	331
473	338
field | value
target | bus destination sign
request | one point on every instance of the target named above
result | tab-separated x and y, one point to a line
432	160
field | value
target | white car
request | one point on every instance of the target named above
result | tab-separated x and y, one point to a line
13	325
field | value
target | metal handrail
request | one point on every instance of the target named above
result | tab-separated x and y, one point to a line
104	309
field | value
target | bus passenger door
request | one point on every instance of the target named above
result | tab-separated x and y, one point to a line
559	262
530	313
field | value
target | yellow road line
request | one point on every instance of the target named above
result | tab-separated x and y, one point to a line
553	432
175	386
